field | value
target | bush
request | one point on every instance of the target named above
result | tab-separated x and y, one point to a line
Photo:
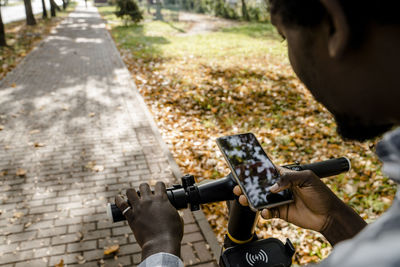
128	9
254	13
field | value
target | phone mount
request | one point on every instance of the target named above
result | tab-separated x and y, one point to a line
241	246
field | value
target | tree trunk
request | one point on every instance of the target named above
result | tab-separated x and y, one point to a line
2	32
30	19
64	4
44	14
52	8
245	14
159	16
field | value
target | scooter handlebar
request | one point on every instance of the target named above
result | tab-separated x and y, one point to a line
193	194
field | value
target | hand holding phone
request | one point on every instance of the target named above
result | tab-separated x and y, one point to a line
253	170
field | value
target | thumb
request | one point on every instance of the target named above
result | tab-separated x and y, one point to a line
294	178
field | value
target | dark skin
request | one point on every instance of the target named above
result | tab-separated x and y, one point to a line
359	86
155	223
315	207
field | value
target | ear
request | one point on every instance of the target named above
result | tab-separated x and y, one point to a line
340	34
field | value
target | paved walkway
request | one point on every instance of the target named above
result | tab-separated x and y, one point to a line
74	133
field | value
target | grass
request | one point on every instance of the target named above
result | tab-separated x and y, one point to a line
165	39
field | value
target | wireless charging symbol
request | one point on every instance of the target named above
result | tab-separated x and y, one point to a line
260	256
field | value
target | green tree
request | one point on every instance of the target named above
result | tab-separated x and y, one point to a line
128	9
30	19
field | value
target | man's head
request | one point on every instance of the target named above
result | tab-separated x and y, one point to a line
347	53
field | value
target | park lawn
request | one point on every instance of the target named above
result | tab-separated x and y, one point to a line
235	80
21	38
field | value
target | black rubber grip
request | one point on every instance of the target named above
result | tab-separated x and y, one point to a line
329	167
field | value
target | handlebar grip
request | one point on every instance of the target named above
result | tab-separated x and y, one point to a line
327	168
220	190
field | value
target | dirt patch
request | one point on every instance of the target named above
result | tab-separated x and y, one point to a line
200	23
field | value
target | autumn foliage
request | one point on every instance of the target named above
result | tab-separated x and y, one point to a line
239	80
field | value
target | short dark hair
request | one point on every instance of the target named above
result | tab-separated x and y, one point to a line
309	13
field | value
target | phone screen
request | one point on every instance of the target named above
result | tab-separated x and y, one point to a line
253	170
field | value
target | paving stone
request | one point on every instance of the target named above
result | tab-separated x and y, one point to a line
33	263
188	255
82	246
192	237
37	243
203	252
49	251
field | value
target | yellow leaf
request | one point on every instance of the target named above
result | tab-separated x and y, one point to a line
20	172
92	114
110	250
13	85
1	127
60	264
18	215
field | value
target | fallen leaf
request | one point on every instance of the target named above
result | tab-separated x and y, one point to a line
110	250
20	172
92	114
35	131
90	165
13	85
79	235
81	259
3	173
28	224
18	215
60	264
37	144
1	127
98	168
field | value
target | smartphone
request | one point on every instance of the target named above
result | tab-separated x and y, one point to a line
253	170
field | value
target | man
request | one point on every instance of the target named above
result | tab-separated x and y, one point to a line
347	53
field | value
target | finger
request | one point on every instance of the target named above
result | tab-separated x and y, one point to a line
123	205
270	213
243	200
145	191
283	170
295	178
266	214
237	191
133	197
160	190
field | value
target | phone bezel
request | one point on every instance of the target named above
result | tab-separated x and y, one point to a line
252	207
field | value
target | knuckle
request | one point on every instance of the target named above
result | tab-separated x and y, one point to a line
308	173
